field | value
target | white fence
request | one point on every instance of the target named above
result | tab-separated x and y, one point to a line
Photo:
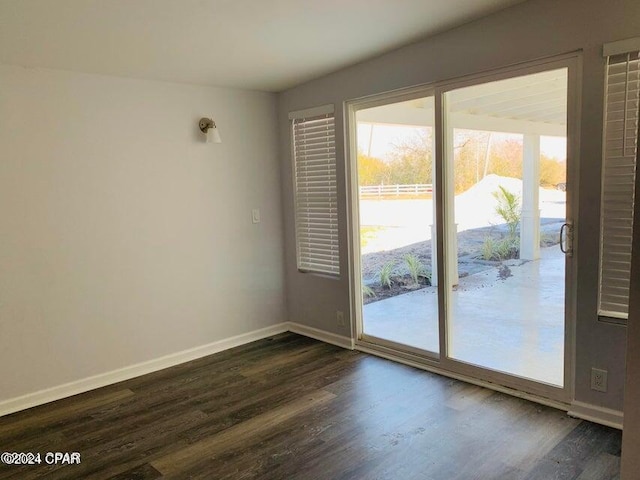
395	190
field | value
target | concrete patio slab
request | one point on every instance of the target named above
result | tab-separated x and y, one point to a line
511	322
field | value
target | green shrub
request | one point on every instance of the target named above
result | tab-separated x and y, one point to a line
497	250
385	274
416	269
508	209
489	248
508	248
367	291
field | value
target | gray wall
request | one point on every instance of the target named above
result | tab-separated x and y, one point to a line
532	30
125	237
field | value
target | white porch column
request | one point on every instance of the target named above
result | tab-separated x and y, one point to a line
530	220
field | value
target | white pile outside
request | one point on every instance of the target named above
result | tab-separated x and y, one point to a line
404	222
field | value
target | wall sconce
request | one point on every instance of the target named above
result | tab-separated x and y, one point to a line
208	127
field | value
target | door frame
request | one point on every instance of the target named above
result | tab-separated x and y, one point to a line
441	363
353	213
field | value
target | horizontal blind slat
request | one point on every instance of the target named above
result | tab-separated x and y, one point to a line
316	194
622	100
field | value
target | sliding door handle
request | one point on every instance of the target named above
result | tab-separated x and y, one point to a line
566	239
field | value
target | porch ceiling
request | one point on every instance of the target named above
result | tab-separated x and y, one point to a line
534	103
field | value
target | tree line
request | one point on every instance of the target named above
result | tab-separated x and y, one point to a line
475	156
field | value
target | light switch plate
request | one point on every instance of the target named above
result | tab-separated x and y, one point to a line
255	215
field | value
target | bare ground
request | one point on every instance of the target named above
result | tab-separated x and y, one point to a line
470	260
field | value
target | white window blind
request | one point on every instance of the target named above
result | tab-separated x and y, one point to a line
620	143
316	207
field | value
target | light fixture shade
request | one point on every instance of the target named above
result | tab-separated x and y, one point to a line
213	135
209	128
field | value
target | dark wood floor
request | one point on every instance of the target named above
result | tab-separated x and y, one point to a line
294	408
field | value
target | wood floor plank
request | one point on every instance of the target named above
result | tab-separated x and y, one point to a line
142	472
568	460
282	361
155	405
378	421
142	443
233	436
290	407
468	396
603	467
41	417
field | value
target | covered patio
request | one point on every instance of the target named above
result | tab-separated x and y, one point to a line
526	341
509	318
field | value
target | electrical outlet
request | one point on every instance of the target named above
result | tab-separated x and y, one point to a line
340	318
598	380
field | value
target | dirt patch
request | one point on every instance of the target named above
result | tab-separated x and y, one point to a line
504	272
399	285
470	260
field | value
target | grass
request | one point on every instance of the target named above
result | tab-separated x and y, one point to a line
367	234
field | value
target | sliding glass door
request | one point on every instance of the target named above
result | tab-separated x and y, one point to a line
395	159
506	172
482	168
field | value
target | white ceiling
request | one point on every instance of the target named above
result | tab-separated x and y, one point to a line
257	44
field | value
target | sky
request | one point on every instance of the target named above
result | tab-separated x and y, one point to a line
385	136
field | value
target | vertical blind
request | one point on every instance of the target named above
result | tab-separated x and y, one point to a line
316	207
622	92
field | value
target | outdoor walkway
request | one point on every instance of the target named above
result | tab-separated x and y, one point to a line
514	325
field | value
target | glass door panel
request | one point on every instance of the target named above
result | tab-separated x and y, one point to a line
505	173
395	158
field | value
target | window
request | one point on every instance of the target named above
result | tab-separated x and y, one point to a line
622	89
316	208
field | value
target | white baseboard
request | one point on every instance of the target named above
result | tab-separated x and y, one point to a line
332	338
585	411
593	413
101	380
